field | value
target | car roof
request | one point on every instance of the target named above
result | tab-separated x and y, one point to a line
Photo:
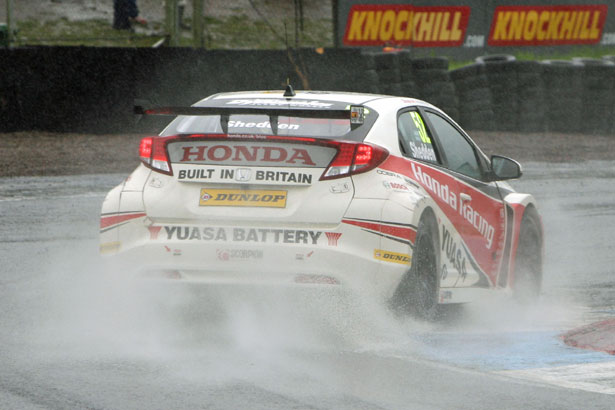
333	96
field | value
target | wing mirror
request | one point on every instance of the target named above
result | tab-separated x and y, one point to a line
505	168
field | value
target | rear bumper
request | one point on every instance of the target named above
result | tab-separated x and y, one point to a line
339	255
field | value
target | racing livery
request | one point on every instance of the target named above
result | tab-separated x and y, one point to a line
309	187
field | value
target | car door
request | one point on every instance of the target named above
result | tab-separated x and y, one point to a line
474	246
425	165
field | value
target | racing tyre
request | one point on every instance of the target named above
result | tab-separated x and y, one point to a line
366	77
528	262
391	89
389	75
417	294
432	75
495	58
408	89
445	89
430	63
386	61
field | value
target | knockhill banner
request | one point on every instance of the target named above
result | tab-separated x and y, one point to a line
374	25
466	27
548	25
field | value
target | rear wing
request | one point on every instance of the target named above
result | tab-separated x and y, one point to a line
354	113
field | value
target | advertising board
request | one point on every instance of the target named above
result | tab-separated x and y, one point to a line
465	28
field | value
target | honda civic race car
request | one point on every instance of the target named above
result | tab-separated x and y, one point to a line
326	188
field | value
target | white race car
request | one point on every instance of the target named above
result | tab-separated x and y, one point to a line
326	188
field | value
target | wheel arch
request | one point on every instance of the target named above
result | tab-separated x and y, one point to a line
427	221
524	206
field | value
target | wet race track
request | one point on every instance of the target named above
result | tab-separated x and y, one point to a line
75	335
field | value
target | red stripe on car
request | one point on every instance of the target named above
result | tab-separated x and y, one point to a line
397	231
107	221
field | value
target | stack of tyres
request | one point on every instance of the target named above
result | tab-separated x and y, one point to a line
611	58
598	97
387	68
434	84
365	78
531	97
563	85
408	85
338	70
18	82
502	78
475	106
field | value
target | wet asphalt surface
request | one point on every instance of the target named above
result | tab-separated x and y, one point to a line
76	335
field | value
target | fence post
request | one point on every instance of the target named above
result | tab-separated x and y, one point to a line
197	23
9	22
171	23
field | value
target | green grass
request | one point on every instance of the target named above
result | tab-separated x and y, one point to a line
241	32
232	32
63	32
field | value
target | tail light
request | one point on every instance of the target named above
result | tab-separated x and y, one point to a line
153	153
354	158
351	158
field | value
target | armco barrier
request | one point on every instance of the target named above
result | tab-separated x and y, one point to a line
76	89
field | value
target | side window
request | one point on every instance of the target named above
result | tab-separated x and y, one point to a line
414	140
459	154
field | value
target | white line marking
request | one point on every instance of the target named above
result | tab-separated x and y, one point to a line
593	377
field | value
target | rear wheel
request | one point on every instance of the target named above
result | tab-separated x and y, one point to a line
417	294
528	262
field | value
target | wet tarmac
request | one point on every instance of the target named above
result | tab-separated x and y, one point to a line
76	335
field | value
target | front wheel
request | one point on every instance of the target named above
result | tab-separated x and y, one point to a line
417	294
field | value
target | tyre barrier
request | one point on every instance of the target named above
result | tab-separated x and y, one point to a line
434	84
501	74
408	86
387	69
335	71
530	94
495	58
517	93
474	96
78	89
563	95
598	95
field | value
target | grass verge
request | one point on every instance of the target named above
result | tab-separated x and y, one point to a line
237	32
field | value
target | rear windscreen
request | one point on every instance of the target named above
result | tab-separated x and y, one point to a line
258	124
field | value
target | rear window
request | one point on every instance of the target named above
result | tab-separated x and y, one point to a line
259	124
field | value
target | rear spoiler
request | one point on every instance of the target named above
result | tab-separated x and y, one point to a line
354	113
272	112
